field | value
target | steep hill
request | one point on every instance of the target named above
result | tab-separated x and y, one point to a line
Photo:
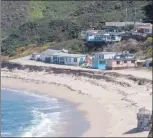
37	22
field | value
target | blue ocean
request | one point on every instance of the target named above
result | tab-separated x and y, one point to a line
30	115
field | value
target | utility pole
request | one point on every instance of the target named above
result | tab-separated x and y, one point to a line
134	17
126	16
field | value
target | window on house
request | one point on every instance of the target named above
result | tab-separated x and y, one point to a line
118	62
54	58
68	59
101	56
125	61
132	61
62	58
101	62
75	59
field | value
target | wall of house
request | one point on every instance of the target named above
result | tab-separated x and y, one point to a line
71	61
113	64
97	65
109	56
43	58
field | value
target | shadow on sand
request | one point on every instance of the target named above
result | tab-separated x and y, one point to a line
132	131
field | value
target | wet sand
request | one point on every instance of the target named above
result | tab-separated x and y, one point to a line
87	104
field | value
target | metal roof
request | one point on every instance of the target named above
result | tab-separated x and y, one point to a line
68	55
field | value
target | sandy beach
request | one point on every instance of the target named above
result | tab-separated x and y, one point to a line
110	102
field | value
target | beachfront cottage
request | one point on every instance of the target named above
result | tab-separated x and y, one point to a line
121	60
99	60
46	56
68	59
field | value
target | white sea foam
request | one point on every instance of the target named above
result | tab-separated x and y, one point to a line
42	124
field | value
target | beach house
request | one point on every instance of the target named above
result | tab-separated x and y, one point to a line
121	60
100	36
68	59
46	56
100	59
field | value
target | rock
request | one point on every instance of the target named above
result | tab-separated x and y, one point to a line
144	120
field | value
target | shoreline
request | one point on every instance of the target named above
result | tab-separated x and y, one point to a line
69	117
110	100
83	104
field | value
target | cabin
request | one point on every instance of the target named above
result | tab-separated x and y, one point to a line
46	56
68	59
98	37
100	59
103	37
121	60
144	30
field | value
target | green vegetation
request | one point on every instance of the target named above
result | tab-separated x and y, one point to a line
74	45
31	23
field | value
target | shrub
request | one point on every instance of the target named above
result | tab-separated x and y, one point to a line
25	53
149	39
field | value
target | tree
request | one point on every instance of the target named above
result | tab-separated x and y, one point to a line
148	10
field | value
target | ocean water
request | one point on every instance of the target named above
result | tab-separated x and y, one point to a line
30	115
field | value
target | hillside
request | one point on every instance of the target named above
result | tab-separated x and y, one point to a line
39	22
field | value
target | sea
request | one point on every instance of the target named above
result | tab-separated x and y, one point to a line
25	114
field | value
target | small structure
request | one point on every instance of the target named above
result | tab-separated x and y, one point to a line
121	60
98	37
46	56
100	59
102	36
35	56
115	37
144	30
68	59
144	118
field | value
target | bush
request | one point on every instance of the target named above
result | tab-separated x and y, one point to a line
25	53
149	52
130	45
44	47
12	53
74	45
149	39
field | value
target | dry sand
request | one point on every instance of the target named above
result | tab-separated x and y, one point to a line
110	106
134	72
